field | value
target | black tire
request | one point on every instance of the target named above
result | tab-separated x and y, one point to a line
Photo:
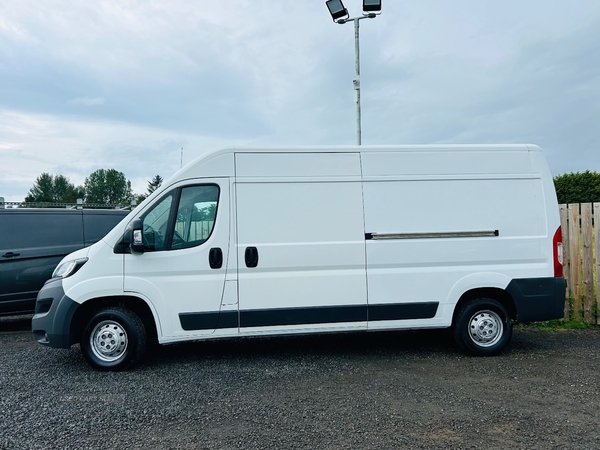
483	327
113	339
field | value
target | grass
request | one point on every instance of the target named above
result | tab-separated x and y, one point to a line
560	324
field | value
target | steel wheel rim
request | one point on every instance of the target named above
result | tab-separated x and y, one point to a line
108	341
486	328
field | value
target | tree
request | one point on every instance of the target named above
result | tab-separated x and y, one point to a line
154	184
66	191
54	189
139	198
578	187
108	187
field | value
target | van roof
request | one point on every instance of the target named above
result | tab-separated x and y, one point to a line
367	148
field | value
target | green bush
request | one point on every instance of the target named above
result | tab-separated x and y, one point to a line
579	187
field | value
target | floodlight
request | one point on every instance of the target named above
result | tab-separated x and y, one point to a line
372	5
337	10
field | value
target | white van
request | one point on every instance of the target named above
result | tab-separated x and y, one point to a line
254	241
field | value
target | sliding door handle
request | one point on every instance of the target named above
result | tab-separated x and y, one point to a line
251	257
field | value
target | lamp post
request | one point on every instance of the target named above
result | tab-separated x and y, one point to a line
339	14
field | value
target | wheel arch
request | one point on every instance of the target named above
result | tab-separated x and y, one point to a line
500	295
91	306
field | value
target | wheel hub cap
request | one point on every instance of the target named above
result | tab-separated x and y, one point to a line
108	340
485	328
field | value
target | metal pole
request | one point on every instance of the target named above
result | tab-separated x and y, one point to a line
356	80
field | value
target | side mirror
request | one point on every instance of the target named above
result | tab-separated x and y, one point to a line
137	236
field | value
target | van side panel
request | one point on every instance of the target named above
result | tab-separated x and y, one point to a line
297	165
446	227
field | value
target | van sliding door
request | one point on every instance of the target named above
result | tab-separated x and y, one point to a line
300	242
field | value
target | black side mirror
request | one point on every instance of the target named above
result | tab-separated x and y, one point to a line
137	236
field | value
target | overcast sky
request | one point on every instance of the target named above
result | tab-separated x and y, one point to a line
125	84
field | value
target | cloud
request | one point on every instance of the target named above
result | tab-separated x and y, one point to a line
32	143
123	84
544	88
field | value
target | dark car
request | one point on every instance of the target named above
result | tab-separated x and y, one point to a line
32	243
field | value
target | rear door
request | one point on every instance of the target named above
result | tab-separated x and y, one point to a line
300	242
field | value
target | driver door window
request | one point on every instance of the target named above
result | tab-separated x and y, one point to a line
192	223
195	216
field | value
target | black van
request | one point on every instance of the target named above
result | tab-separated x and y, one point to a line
32	243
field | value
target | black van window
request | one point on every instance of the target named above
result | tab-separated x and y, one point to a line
43	229
97	224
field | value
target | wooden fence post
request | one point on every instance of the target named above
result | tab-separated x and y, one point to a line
597	245
588	263
574	261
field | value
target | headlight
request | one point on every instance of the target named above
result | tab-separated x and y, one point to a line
68	268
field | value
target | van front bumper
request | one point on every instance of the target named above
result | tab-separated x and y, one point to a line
51	324
538	299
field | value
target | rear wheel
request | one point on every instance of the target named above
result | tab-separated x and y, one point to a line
483	327
113	339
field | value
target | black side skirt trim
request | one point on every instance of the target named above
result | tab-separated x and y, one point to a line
307	316
403	311
208	320
303	316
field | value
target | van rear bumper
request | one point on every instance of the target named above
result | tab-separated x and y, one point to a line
51	324
538	299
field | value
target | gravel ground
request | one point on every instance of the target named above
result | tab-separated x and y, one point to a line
344	391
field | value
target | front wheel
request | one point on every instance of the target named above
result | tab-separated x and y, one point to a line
483	327
113	339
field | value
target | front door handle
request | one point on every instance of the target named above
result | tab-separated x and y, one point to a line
251	257
10	255
215	258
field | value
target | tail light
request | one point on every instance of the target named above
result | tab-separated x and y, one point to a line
557	248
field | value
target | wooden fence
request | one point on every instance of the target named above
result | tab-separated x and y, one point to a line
581	244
